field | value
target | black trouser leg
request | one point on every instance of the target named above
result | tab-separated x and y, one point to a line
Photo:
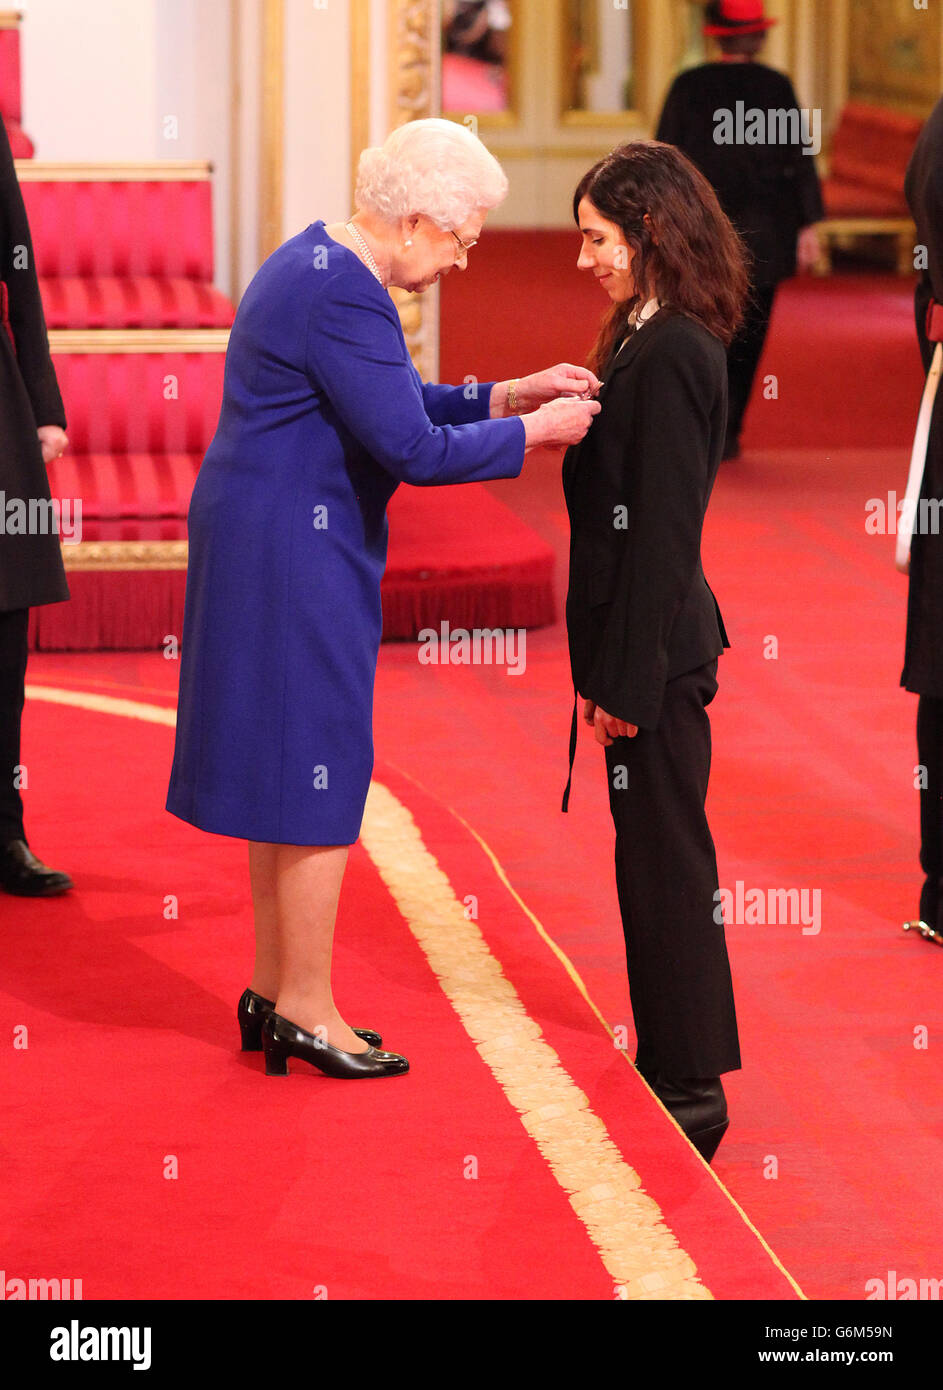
930	756
744	353
666	875
13	632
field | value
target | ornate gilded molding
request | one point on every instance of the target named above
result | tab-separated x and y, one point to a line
111	171
82	340
413	42
125	555
272	141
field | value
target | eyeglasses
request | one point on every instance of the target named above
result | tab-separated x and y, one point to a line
463	246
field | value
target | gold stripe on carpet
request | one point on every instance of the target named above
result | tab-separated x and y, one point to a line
578	981
636	1247
641	1254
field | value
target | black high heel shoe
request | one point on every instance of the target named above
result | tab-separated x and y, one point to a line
251	1011
700	1108
282	1039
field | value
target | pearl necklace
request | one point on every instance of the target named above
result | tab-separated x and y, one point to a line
365	250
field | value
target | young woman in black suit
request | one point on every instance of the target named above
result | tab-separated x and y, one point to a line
644	628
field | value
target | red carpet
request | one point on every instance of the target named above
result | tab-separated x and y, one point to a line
284	1188
837	1118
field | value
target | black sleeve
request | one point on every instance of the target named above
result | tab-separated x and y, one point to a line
671	122
923	294
18	270
810	207
665	482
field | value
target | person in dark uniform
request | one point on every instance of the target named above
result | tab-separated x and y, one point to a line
644	627
923	656
770	192
32	432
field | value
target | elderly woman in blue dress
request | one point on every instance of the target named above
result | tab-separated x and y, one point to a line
323	415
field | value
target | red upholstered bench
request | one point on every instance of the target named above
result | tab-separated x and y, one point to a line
142	408
11	108
864	191
20	143
133	461
140	393
127	497
124	246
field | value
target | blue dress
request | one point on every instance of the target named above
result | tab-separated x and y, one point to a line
323	415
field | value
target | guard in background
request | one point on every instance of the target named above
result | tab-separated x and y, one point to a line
771	193
32	432
923	657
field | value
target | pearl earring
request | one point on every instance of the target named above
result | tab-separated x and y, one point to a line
408	243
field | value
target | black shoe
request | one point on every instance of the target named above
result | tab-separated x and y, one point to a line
700	1108
282	1039
26	876
251	1012
645	1066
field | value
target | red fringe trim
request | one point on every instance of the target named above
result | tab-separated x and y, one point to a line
135	610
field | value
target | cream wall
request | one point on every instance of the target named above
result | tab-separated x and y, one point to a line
102	77
131	80
317	121
90	78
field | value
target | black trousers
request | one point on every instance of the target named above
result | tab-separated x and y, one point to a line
666	876
13	631
744	353
930	755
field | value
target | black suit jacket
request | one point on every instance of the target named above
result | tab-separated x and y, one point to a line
639	610
31	569
923	187
923	656
768	191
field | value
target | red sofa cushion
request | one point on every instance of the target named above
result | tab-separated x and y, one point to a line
10	89
115	402
21	145
870	151
126	487
844	199
103	227
104	301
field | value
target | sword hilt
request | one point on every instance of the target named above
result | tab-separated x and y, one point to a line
925	930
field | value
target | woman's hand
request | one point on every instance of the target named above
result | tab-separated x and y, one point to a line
607	727
559	423
562	380
809	248
54	441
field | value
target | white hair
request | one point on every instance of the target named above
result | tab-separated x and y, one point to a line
435	167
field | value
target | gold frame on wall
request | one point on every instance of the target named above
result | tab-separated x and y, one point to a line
272	141
871	73
412	95
495	120
568	116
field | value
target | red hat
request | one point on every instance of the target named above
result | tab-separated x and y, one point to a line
726	17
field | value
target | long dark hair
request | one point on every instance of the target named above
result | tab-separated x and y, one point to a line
698	265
